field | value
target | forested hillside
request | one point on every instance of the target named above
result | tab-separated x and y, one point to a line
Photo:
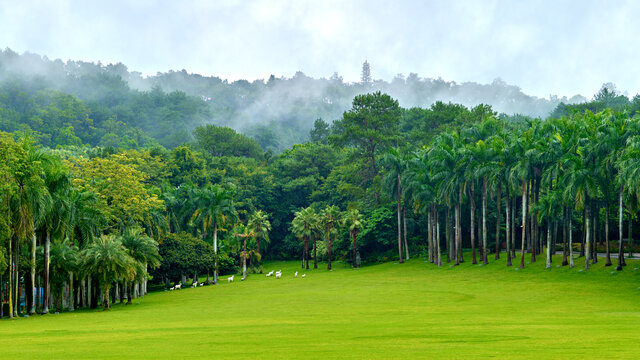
75	102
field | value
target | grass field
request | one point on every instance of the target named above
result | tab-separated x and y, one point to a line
411	310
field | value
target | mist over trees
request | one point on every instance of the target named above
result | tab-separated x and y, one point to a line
115	107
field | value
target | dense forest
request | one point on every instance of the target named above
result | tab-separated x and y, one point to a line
107	184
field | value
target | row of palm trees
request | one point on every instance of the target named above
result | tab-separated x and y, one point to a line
543	177
309	225
75	250
70	243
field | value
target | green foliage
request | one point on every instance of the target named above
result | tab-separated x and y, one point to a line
224	141
184	254
379	233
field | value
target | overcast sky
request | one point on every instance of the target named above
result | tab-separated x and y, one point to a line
545	47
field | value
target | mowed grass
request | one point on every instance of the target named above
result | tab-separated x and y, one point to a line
411	310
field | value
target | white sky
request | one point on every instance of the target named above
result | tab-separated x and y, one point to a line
545	47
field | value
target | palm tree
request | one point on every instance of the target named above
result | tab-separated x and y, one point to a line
260	225
242	232
331	219
64	258
547	209
31	201
303	225
142	249
214	208
107	258
354	221
579	184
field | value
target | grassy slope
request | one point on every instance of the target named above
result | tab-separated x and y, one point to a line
382	311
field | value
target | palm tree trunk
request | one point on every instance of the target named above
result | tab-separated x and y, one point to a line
584	232
472	220
105	297
484	221
447	235
16	275
620	230
498	201
524	221
129	292
439	255
570	230
587	225
548	265
456	234
215	253
399	224
508	230
629	235
46	286
564	236
11	270
329	253
514	206
429	237
244	258
258	250
404	224
71	296
32	310
315	252
306	252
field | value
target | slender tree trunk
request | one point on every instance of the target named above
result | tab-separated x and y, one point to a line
105	297
534	224
508	230
329	253
447	235
400	260
258	249
570	230
244	258
47	261
498	215
315	252
215	253
484	221
456	234
584	233
524	221
16	308
514	206
620	230
564	236
71	293
429	237
472	220
459	226
587	235
129	292
629	235
548	265
32	310
404	222
306	252
596	238
438	254
11	270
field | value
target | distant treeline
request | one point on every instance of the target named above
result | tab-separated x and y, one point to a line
75	102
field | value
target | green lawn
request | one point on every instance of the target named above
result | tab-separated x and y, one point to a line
382	311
